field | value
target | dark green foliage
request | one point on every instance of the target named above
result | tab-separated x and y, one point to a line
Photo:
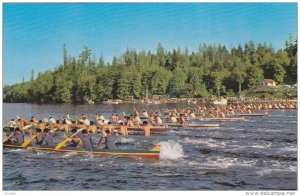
284	93
159	81
177	84
212	69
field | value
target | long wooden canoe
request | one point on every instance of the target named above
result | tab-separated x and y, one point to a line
150	138
161	128
218	119
152	128
282	108
194	125
151	154
253	114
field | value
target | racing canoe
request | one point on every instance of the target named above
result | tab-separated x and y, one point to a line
150	154
218	119
152	128
253	114
194	125
150	138
140	128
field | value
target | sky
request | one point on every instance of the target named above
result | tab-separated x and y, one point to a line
34	34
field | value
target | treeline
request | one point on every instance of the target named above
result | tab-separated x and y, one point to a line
176	73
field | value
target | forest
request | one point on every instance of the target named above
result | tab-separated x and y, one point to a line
209	70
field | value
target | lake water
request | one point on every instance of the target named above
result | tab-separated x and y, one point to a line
259	153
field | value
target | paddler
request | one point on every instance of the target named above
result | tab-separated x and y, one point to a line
87	140
67	121
101	117
145	113
80	124
111	127
219	113
48	138
210	114
86	121
158	113
99	122
55	125
146	128
173	118
32	127
248	110
12	123
230	111
33	119
8	134
110	140
114	119
123	129
39	140
64	127
20	123
222	114
119	118
75	139
152	120
8	130
158	120
41	125
192	114
182	120
174	113
92	128
51	120
136	120
103	128
18	137
45	120
130	122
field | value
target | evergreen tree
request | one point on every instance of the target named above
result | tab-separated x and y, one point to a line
65	55
101	61
32	75
175	73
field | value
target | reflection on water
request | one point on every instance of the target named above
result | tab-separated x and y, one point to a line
260	153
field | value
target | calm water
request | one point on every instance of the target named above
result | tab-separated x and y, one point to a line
260	153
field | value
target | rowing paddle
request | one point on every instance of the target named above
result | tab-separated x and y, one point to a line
27	127
27	142
7	138
61	144
156	148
